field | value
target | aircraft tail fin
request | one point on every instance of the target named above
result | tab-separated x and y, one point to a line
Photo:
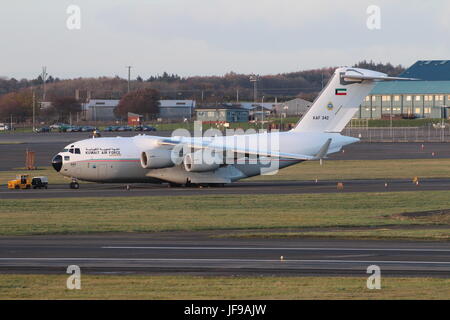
340	99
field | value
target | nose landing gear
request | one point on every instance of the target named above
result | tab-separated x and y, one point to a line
74	184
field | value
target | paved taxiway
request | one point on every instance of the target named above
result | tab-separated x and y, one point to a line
199	253
263	187
13	147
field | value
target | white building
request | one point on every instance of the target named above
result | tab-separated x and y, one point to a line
99	110
176	109
103	110
295	107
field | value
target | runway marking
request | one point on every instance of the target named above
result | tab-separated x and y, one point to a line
281	248
224	260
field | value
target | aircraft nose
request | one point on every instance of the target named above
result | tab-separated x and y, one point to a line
57	162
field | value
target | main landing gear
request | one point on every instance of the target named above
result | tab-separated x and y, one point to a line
74	184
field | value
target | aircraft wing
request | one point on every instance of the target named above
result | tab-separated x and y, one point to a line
206	144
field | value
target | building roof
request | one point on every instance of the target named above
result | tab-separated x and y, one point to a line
432	70
412	87
103	102
257	105
221	107
434	78
177	103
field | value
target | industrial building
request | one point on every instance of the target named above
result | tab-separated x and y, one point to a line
103	110
295	107
429	97
176	109
224	113
99	110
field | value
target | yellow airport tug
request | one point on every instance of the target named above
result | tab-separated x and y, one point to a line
22	181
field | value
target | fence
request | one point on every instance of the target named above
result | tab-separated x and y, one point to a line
400	134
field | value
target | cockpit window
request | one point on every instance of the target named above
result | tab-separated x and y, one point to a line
71	150
77	151
65	150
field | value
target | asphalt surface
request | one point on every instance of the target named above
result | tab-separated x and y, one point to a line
199	253
14	146
250	188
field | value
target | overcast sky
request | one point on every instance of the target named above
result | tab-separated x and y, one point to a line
213	37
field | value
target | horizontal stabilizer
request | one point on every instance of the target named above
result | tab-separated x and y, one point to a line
349	77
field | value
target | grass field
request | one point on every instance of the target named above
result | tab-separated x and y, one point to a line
207	288
330	170
363	169
384	233
220	212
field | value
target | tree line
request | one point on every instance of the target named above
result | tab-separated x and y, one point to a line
16	95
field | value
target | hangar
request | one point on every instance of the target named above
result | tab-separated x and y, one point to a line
428	97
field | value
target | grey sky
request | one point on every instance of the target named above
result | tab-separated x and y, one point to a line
204	37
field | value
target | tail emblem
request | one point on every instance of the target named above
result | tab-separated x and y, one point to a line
330	106
341	92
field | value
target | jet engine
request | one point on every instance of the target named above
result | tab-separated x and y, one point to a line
200	161
156	159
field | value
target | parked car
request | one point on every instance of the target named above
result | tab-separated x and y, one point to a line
43	129
111	128
4	127
144	128
88	129
64	127
73	129
124	128
57	126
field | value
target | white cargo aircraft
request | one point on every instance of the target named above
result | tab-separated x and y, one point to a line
183	160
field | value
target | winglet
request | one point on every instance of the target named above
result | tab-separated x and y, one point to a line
323	151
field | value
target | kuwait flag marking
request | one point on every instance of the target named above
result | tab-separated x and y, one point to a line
341	92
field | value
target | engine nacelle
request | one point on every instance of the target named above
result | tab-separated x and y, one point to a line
156	159
199	162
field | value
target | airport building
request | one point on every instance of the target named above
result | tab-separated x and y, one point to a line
176	109
295	107
99	110
224	113
103	110
428	97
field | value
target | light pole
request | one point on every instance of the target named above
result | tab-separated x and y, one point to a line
443	122
129	76
254	79
34	112
44	75
262	113
281	116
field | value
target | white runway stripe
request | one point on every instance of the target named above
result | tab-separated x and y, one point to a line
223	260
283	248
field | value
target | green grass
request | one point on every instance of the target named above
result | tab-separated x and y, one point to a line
385	233
363	169
218	212
207	288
